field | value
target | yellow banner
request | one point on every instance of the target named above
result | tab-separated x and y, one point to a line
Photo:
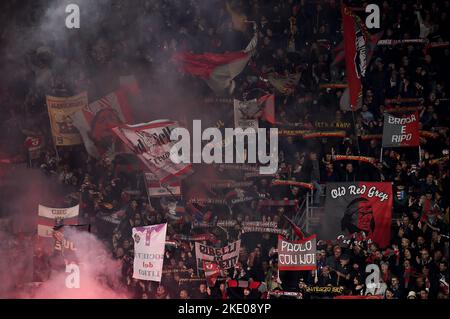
60	110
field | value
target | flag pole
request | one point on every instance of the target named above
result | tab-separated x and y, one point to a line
381	155
355	130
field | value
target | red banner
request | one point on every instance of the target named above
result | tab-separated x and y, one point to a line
355	54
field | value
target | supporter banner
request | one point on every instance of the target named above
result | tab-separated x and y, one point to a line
282	202
324	125
401	109
308	134
260	224
95	121
217	69
311	135
438	160
428	134
297	255
359	297
237	167
267	106
238	195
293	183
392	42
355	43
245	114
324	290
257	175
155	189
222	184
365	159
176	270
261	229
278	293
211	201
50	217
60	111
65	243
371	137
403	100
219	223
226	257
152	144
284	84
363	209
199	237
212	272
401	131
35	145
149	246
292	132
250	284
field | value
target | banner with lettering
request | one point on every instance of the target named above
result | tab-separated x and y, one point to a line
362	210
401	130
60	111
155	189
152	144
322	124
67	241
50	217
297	255
226	257
149	245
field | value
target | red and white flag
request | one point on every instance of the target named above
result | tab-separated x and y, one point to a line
212	272
217	69
284	83
35	145
267	103
355	43
95	121
155	189
50	217
152	144
247	113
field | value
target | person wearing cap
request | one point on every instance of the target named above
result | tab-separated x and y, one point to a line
411	295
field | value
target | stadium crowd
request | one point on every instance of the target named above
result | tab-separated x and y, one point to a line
295	36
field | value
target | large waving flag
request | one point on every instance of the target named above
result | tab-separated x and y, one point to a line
49	217
152	144
284	84
355	42
217	69
95	121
